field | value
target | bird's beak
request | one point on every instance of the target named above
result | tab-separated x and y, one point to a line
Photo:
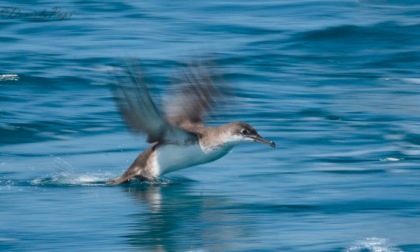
260	139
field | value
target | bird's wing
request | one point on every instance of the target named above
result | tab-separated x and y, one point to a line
140	112
190	102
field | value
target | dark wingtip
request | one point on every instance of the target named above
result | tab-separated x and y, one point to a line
272	144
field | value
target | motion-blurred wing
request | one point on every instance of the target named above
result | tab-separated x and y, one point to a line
139	111
193	98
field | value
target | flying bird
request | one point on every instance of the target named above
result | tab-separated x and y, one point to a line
179	137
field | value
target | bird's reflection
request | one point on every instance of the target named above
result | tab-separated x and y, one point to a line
177	217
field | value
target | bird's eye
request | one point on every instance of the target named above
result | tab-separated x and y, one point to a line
244	132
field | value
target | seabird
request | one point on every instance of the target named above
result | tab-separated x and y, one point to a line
179	138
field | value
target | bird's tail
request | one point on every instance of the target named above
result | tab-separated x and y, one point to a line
117	181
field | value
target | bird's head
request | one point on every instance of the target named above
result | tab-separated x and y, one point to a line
242	132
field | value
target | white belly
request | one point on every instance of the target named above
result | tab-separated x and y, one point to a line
171	158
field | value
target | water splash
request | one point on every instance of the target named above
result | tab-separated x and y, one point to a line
373	244
71	179
65	175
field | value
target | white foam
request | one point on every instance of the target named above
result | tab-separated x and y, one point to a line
9	77
373	244
391	159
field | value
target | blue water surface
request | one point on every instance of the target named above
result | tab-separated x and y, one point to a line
335	84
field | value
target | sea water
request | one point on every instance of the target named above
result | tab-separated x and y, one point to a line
336	84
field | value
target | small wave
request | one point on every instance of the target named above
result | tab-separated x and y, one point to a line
412	80
390	2
373	244
391	159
